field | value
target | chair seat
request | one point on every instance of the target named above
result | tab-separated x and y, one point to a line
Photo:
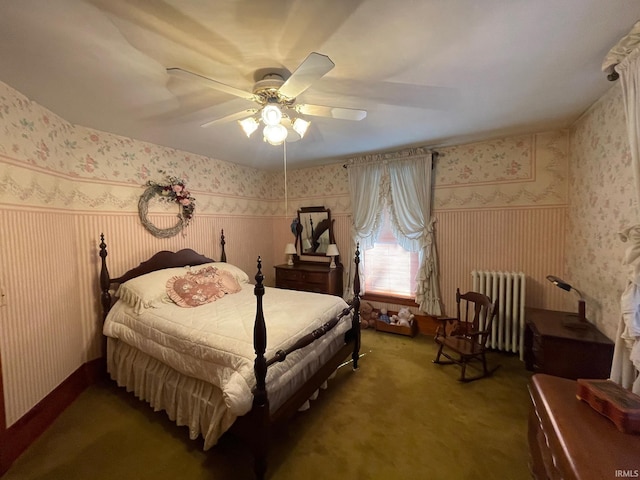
461	345
463	338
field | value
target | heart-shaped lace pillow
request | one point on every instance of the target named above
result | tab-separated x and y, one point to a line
206	285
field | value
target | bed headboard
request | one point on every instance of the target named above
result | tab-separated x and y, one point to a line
159	261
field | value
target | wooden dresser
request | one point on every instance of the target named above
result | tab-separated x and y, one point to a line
553	348
310	277
570	440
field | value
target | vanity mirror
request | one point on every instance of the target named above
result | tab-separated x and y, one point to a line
311	270
315	231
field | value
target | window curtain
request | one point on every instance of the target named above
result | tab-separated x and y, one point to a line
404	185
411	223
367	201
626	357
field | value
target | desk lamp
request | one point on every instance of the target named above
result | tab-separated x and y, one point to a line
582	320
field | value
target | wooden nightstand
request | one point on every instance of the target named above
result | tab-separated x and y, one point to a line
551	347
310	277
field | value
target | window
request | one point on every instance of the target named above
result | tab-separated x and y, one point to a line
389	269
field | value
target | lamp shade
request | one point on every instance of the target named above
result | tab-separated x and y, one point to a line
290	249
275	134
558	282
249	125
332	250
300	126
271	115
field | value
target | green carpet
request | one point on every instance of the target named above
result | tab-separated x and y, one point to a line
398	417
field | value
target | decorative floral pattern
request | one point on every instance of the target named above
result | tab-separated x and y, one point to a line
603	202
502	160
36	143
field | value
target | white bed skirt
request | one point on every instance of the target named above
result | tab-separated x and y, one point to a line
187	401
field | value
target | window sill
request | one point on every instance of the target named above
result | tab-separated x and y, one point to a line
375	297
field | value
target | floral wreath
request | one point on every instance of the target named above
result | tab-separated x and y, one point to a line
174	191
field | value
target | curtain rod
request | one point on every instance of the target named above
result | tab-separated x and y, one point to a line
434	153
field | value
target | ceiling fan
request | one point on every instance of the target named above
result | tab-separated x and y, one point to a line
275	97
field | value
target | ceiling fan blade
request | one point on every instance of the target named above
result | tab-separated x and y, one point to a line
231	118
332	112
314	67
180	73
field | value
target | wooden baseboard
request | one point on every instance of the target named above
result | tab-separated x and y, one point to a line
19	436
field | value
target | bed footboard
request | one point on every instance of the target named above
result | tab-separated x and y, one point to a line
260	416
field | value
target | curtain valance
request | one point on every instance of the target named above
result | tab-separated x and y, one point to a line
619	52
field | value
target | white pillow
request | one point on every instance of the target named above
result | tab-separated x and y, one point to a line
147	291
238	273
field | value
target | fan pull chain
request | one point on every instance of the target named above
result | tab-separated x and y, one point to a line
286	201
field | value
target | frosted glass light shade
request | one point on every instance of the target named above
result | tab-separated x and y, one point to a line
275	134
271	115
301	126
249	125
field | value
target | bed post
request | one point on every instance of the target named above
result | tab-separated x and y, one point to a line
355	321
223	255
105	281
260	400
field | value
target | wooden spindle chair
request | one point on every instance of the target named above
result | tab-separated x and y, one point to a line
463	339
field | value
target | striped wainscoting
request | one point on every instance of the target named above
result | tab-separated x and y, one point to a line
41	318
529	240
44	338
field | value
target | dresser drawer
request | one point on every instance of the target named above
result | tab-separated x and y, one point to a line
318	279
289	276
314	278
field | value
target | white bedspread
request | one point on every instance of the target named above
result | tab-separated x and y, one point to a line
214	342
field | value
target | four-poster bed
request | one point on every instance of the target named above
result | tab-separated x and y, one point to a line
225	364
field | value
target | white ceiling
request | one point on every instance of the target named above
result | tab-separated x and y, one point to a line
428	72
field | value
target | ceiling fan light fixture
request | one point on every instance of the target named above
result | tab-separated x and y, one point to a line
271	115
301	126
275	134
249	125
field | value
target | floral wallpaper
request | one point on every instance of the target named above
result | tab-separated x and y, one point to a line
506	172
501	160
514	171
603	202
36	143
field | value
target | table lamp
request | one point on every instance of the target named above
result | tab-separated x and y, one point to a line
332	251
290	249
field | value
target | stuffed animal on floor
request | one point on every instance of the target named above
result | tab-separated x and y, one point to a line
383	316
368	315
404	318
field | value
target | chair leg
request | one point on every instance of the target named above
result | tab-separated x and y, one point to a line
437	360
464	369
